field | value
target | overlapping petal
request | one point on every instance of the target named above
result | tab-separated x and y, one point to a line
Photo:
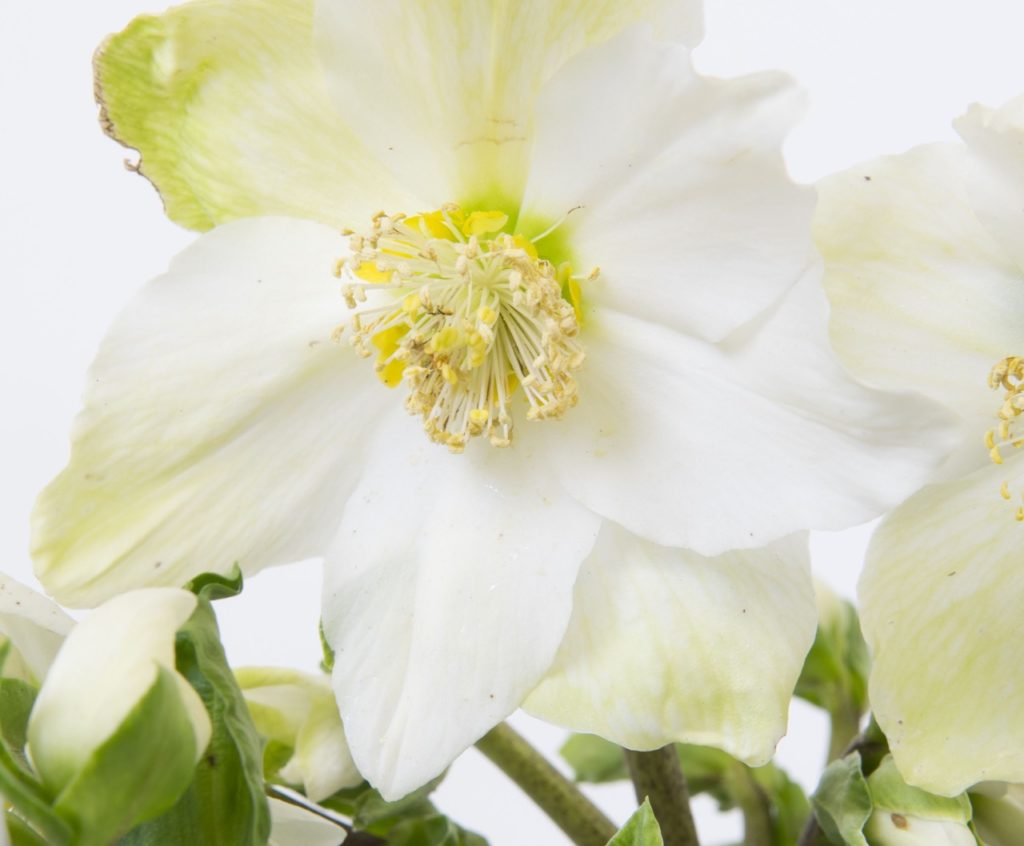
672	183
941	595
221	424
443	91
666	645
227	104
723	447
923	296
448	590
995	138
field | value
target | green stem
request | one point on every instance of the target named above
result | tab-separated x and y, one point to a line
657	776
755	806
558	797
845	726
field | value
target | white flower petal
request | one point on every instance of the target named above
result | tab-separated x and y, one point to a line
442	91
106	665
995	137
922	295
680	192
941	599
666	645
294	826
724	447
221	424
447	594
36	627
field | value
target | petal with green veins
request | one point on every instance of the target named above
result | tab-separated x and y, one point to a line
184	457
666	645
941	596
226	102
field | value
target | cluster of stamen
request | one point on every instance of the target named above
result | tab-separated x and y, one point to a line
1007	376
467	316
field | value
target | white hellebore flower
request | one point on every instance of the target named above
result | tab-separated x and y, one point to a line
925	270
594	280
297	712
111	705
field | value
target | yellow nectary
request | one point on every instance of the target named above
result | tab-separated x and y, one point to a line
471	314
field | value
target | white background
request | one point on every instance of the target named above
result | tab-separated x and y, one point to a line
78	235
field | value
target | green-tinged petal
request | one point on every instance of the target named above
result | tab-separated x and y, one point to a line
941	598
104	669
226	102
298	710
34	626
923	297
295	826
996	140
667	645
215	384
442	91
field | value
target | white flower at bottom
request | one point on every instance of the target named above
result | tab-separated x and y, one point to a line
925	271
298	711
602	293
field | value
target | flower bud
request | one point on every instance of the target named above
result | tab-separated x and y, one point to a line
116	731
908	816
32	629
298	715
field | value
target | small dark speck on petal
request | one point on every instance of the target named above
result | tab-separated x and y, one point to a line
867	178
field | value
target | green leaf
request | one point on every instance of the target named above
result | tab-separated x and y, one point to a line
30	798
641	829
213	586
370	812
889	792
594	759
842	802
20	833
16	700
434	830
225	804
136	774
789	807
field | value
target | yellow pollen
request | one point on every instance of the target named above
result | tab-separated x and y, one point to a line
469	316
1007	376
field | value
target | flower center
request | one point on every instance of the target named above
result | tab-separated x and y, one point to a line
468	316
1008	376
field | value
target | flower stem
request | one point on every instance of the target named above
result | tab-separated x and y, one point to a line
755	806
558	797
657	776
